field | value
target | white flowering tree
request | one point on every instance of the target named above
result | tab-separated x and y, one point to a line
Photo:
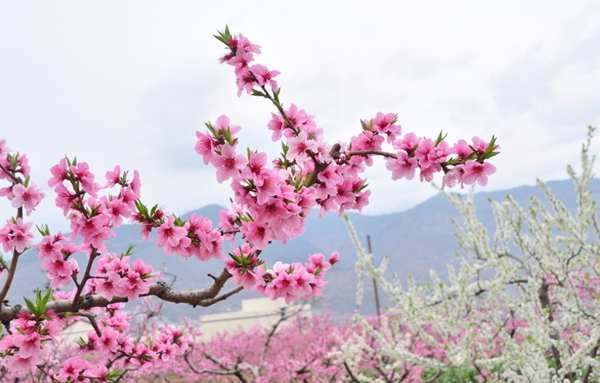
522	304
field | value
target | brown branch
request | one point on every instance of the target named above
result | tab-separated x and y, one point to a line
353	378
227	371
10	276
10	175
212	301
277	105
86	276
13	266
186	358
206	297
283	316
372	153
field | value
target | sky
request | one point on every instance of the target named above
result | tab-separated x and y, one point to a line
129	82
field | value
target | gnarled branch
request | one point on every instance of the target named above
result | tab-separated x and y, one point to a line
206	297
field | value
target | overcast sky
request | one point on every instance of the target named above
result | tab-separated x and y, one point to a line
129	82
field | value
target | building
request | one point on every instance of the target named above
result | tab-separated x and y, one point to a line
261	312
76	330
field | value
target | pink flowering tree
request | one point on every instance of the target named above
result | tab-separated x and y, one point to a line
271	200
295	348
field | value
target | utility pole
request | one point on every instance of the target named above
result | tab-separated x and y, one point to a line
375	288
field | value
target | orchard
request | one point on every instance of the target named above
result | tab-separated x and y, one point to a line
535	319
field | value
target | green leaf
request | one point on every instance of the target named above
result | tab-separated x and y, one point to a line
490	148
129	251
310	180
43	230
142	209
285	149
224	36
276	95
227	135
81	341
114	375
246	218
30	305
441	137
210	128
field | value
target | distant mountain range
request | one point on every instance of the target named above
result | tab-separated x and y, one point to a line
416	240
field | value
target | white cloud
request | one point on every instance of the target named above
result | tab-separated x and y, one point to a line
129	81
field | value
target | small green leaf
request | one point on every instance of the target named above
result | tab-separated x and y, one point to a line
441	137
30	306
43	230
114	375
129	251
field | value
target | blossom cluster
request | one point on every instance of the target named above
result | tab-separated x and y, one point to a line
105	354
15	235
93	218
429	157
22	347
116	276
192	237
284	280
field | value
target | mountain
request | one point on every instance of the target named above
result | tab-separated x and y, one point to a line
416	240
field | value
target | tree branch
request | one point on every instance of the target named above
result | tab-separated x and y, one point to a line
353	378
206	297
85	277
372	153
10	276
13	266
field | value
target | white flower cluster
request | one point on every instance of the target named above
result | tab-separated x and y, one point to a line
522	305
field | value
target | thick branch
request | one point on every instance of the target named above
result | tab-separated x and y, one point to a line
10	175
372	153
160	290
10	276
12	268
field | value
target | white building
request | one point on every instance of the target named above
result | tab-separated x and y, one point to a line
74	331
262	312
